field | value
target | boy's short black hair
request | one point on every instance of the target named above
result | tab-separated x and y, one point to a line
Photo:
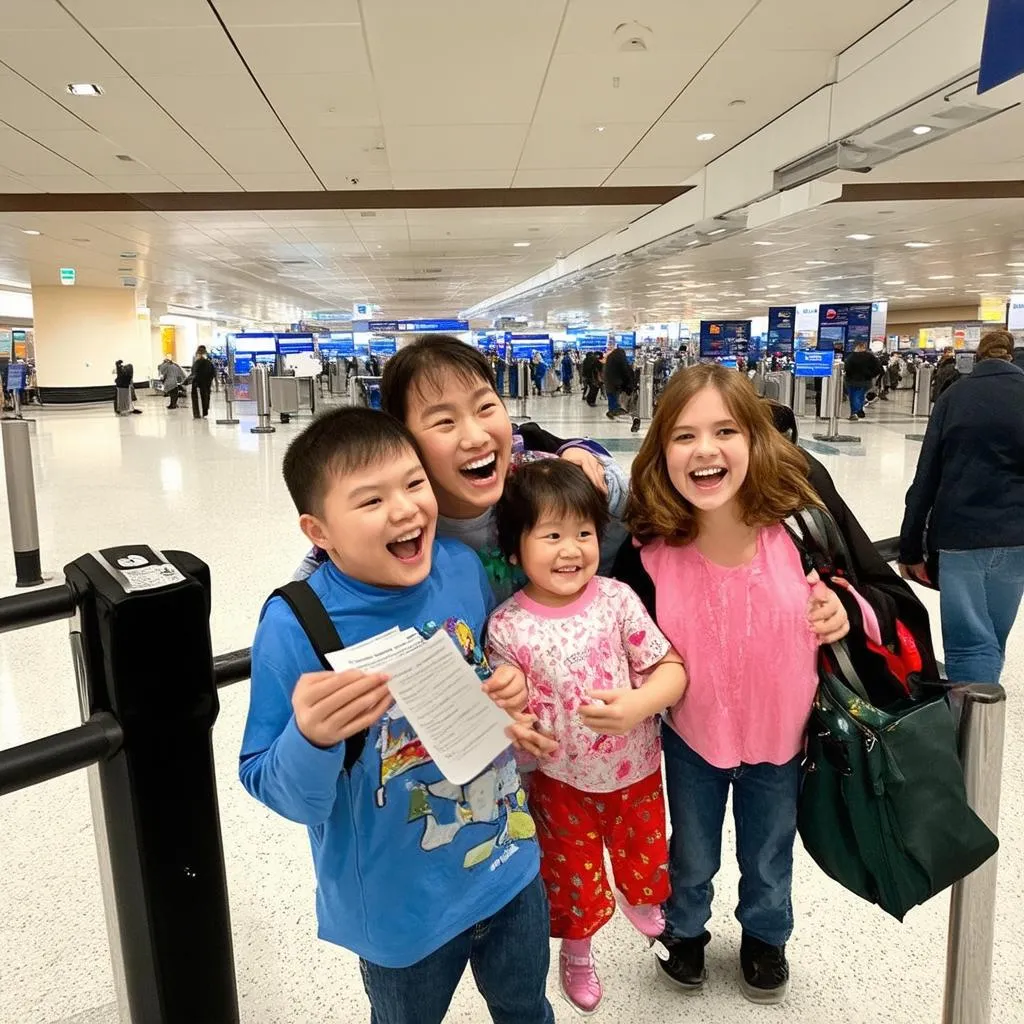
338	442
427	360
546	486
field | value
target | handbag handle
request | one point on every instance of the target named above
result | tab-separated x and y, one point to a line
850	677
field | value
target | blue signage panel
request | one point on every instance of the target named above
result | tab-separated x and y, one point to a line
808	363
16	377
293	344
1002	55
338	315
384	346
843	325
781	327
414	326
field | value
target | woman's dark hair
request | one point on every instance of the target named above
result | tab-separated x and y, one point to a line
428	360
339	442
996	345
546	487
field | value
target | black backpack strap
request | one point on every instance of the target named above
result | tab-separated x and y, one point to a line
308	609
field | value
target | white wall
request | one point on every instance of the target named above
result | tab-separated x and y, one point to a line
81	332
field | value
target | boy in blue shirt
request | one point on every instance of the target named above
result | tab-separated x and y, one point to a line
416	875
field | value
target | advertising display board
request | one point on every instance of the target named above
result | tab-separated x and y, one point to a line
842	325
812	363
721	338
1015	313
523	346
339	343
16	377
253	348
383	346
806	326
781	330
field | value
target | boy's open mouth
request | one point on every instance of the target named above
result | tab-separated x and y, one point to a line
481	470
709	478
408	547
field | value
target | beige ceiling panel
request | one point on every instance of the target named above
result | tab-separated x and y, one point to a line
39	14
10	183
103	14
563	177
130	183
227	100
323	100
174	153
458	178
295	12
172	51
578	145
460	62
291	182
245	151
24	106
674	146
579	88
274	50
205	182
68	183
799	25
474	147
86	149
27	157
344	152
53	58
628	176
336	232
699	25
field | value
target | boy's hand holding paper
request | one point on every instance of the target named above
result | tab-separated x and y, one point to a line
332	706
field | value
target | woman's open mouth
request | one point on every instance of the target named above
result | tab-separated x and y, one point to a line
408	547
482	472
709	478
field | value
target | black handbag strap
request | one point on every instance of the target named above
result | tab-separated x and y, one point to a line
312	616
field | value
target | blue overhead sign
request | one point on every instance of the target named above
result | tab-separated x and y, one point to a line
331	315
811	363
415	326
293	344
16	377
1002	52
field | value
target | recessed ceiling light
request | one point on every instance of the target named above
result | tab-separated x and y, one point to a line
860	238
816	263
717	231
762	243
922	129
1015	264
918	245
30	231
894	282
940	277
599	128
988	275
84	89
705	136
521	245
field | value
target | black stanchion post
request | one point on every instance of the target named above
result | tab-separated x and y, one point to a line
167	891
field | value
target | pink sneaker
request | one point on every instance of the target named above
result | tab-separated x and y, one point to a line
648	920
578	978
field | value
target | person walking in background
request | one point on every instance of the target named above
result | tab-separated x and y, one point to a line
123	376
590	374
619	380
539	370
171	377
862	367
946	374
567	371
203	375
966	505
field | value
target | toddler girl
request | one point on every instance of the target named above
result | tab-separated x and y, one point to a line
598	672
713	483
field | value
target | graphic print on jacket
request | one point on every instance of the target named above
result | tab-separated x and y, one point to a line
495	798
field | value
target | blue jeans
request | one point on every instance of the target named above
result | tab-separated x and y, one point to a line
980	592
613	401
764	807
509	956
858	396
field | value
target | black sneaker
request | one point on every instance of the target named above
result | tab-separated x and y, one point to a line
636	425
610	414
685	963
861	415
765	971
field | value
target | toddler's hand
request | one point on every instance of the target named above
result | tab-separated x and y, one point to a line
507	688
616	712
526	737
825	612
332	706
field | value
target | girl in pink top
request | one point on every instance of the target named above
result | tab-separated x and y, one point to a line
711	487
598	672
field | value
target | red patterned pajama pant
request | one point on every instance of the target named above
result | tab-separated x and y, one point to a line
574	829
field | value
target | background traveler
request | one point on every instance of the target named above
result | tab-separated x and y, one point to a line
204	373
862	368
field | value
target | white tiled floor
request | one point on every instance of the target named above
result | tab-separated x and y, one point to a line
169	481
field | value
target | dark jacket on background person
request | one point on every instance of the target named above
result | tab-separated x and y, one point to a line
946	375
862	368
590	368
618	374
124	374
1018	357
969	486
204	373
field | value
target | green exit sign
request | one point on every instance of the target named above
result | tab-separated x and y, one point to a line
67	275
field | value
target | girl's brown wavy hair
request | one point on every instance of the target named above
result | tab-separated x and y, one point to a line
776	485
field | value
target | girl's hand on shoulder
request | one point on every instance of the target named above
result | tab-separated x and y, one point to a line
825	612
527	736
507	688
616	712
589	463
